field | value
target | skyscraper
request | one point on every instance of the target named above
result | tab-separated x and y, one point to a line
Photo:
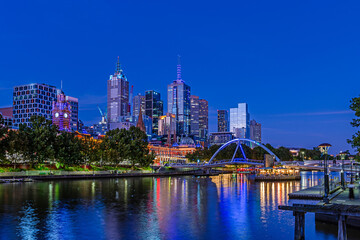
117	97
240	121
32	100
203	119
194	116
138	105
178	96
74	116
223	120
153	108
255	131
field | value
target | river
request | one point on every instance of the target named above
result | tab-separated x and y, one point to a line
218	207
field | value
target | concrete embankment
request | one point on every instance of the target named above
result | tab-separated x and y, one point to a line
92	175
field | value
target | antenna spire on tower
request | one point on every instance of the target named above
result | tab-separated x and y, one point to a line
118	67
179	69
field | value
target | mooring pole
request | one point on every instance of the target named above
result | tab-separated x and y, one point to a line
342	228
299	225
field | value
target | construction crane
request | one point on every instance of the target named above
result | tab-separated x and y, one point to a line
103	116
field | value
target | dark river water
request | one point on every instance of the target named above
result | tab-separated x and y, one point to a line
218	207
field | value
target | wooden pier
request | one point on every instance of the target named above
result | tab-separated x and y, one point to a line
341	207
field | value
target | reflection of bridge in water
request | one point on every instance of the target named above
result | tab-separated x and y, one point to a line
233	161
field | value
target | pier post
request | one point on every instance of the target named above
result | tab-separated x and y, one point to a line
299	225
342	228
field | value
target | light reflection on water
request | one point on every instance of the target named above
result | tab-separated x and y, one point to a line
154	208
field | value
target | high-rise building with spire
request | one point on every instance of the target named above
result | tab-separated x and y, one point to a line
178	96
117	97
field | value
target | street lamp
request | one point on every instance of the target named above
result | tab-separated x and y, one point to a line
324	150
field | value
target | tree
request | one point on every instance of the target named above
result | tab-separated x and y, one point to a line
68	149
3	139
38	140
355	106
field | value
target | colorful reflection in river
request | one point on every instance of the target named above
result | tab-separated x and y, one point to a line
151	208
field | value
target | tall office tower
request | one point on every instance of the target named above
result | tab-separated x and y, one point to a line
32	100
203	119
117	97
153	108
255	131
194	116
223	120
178	96
138	105
74	116
240	121
61	113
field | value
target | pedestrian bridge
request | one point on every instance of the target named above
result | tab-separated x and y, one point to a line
233	161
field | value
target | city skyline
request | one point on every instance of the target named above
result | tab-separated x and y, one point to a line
284	72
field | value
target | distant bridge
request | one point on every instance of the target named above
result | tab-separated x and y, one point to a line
233	161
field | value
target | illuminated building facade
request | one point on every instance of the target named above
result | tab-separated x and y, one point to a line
32	100
170	154
240	121
220	138
7	117
61	113
178	103
203	119
167	128
223	120
74	116
255	131
117	98
138	105
195	108
153	108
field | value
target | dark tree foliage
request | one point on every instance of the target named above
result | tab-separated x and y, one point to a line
355	139
42	142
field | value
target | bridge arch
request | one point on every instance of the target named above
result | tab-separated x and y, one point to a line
239	140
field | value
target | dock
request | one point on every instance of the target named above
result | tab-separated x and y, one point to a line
343	207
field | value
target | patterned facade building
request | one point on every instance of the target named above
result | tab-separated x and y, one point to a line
32	100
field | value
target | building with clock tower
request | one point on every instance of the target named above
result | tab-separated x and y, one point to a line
61	113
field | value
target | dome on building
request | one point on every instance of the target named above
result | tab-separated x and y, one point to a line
187	141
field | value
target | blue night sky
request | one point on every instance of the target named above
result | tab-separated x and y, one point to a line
295	63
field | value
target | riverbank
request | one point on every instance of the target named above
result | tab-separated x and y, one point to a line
61	175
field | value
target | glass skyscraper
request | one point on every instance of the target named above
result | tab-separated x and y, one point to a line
240	121
178	103
153	108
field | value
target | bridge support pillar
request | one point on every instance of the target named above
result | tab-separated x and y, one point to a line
342	228
299	225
